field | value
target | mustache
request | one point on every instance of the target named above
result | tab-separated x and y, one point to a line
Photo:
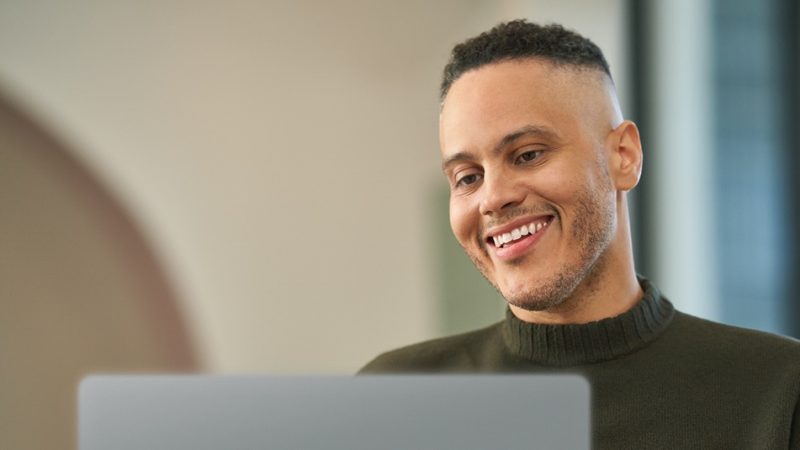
519	211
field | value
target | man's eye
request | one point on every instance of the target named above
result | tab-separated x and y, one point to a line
528	156
467	180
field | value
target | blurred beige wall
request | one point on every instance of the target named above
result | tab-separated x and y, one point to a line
80	290
278	156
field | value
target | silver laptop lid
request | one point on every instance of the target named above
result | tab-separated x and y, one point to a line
334	412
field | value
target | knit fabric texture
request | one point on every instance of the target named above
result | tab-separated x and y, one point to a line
660	379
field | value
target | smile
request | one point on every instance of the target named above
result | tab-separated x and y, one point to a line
504	239
514	240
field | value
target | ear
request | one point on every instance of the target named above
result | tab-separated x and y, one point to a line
625	158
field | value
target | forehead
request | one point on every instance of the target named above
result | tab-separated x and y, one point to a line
485	104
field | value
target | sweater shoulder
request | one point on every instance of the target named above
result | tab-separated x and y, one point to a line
451	353
728	339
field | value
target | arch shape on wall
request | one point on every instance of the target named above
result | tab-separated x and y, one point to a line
80	289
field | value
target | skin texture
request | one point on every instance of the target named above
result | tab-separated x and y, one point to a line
528	140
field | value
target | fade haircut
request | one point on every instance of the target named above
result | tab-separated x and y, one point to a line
519	39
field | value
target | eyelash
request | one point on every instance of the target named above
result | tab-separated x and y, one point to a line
460	181
536	153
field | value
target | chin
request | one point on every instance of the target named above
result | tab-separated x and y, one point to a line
543	293
532	300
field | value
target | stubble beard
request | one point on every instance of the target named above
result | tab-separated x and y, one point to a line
593	230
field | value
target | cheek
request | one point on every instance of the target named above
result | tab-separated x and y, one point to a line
563	183
557	184
462	221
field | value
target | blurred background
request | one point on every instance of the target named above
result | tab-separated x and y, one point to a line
254	186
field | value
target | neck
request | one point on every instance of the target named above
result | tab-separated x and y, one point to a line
575	344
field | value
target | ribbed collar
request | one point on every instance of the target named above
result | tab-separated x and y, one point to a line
563	345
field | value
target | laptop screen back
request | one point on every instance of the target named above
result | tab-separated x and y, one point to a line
334	412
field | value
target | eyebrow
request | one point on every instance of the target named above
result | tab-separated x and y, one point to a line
527	130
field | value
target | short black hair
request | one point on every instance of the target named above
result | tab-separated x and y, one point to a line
520	39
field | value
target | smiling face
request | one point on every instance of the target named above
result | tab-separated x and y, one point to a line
526	147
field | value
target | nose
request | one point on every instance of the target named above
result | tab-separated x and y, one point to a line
499	193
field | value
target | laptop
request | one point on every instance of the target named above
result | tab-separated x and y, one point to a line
377	412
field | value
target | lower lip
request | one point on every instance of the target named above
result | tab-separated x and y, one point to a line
520	247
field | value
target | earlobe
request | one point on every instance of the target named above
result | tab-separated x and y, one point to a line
626	156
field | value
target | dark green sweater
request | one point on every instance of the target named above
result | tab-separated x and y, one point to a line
660	379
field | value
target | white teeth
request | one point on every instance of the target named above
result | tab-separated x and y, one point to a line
517	233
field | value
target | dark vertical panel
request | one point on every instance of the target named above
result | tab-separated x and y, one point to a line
790	49
641	208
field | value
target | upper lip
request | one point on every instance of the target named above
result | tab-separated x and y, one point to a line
516	223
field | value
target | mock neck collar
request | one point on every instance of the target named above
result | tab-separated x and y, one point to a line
573	344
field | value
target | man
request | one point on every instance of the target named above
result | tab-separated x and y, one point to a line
539	162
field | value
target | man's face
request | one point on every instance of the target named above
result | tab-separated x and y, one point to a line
532	202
